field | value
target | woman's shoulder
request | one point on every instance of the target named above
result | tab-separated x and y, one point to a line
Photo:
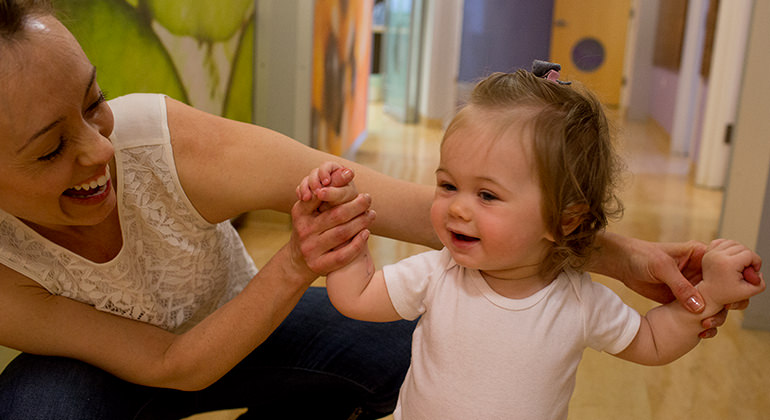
140	119
137	102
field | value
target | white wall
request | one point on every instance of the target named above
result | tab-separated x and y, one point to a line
284	50
636	95
746	211
440	59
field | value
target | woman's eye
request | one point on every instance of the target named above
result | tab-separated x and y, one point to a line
54	154
100	100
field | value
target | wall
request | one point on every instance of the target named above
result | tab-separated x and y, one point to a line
639	69
667	56
746	212
442	35
503	35
284	53
663	96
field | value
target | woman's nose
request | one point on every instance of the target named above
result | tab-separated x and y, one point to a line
95	149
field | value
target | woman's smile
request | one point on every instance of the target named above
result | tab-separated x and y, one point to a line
93	190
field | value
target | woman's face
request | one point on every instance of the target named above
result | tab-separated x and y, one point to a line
54	128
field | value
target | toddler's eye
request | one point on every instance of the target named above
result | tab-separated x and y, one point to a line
447	187
487	196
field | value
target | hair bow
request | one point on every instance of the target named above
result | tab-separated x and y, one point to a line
547	70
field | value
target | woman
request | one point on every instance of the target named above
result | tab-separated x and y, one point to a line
126	288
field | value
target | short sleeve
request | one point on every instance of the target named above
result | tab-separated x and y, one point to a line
610	324
408	281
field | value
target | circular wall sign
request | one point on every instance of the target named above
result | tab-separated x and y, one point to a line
588	54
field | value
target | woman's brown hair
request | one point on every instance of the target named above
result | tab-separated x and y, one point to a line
14	13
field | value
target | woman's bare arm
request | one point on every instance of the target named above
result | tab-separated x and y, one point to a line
32	320
228	167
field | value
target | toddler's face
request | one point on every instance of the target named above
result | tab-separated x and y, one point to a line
487	206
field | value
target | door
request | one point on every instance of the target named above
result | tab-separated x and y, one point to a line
588	39
403	39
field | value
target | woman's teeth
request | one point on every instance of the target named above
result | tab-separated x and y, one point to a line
99	182
89	189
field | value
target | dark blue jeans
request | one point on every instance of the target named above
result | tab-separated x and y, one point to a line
317	364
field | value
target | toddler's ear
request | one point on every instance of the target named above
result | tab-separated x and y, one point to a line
572	216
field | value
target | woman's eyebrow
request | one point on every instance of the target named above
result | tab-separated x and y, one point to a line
58	121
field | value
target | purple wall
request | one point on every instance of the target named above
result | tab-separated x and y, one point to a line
503	35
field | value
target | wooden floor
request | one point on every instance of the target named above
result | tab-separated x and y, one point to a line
725	378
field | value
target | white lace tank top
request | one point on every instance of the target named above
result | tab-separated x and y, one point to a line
174	269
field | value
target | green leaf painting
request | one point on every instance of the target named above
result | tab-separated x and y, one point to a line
204	20
199	52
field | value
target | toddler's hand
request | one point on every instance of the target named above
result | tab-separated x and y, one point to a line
319	177
330	219
730	272
331	184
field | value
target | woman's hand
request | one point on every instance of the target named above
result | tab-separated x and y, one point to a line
662	272
330	219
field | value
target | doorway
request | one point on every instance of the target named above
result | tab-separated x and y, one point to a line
588	39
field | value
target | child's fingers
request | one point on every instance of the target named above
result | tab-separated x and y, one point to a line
334	196
725	245
314	180
716	243
753	263
751	276
739	306
325	172
341	177
735	250
330	182
304	193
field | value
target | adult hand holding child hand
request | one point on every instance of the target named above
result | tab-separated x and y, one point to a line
735	275
330	218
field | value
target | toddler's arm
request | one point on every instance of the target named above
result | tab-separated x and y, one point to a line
359	292
356	290
669	331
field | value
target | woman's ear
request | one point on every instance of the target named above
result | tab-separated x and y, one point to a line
572	217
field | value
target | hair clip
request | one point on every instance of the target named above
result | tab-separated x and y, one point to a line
547	70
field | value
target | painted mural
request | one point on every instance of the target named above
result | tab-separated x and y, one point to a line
196	51
342	37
